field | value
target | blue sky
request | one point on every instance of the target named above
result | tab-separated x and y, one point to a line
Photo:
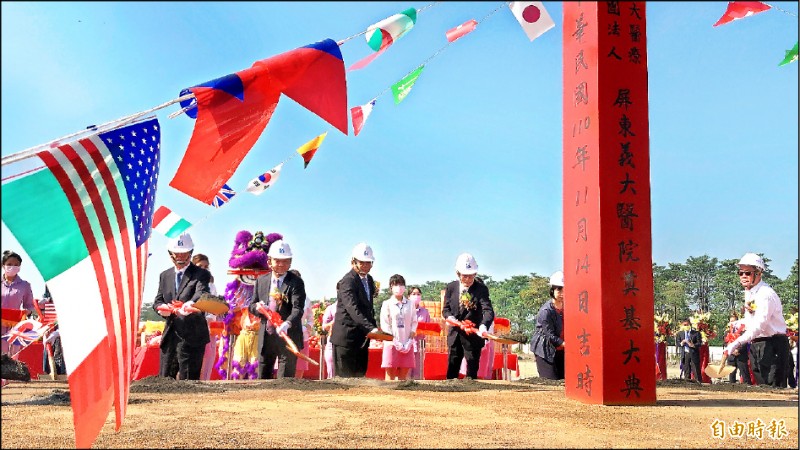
469	161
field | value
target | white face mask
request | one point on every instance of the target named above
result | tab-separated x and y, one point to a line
398	290
11	270
416	298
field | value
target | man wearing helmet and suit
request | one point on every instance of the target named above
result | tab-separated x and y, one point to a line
186	331
355	315
547	343
466	299
766	329
283	292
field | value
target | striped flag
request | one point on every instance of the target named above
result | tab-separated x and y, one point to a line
91	249
224	195
309	149
383	34
262	182
166	222
465	28
360	114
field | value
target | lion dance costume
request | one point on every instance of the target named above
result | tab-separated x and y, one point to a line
239	349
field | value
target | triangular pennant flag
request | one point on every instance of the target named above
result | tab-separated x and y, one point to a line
168	223
791	56
224	195
261	183
403	87
465	28
740	10
310	148
101	212
360	114
533	17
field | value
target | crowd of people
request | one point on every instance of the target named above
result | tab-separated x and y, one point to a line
757	345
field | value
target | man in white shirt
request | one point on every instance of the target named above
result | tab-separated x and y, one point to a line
766	330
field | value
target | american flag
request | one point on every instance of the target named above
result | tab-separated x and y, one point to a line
223	196
110	180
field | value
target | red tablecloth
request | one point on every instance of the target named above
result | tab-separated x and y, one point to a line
704	363
146	361
32	356
661	360
435	365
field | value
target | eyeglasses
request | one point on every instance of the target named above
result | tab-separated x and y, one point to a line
746	273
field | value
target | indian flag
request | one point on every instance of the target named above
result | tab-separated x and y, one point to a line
90	246
168	223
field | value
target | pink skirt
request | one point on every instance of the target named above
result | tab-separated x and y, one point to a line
394	359
302	364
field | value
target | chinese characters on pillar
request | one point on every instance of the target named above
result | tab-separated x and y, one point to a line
607	241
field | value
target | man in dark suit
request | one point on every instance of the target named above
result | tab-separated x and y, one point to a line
186	331
283	292
466	299
689	342
355	315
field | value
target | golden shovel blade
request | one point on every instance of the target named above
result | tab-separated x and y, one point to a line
715	371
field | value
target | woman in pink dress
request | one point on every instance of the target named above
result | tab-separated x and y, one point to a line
399	318
327	326
423	315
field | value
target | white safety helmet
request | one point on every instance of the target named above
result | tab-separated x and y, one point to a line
363	252
751	259
466	264
280	250
181	244
557	279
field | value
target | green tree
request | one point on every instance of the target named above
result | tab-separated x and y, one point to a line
148	313
788	289
728	292
699	278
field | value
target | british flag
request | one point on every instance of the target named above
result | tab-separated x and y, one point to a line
24	333
223	196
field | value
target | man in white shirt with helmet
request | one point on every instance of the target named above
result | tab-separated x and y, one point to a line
766	330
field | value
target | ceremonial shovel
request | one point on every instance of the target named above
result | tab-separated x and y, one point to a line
719	371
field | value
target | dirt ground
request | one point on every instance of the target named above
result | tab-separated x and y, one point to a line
364	413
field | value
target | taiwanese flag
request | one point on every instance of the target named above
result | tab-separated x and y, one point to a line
232	111
740	10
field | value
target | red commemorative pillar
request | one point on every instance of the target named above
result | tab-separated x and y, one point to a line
606	202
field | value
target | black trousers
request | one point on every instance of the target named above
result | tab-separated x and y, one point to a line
190	360
691	363
554	371
168	364
740	362
350	362
275	348
463	348
768	368
779	370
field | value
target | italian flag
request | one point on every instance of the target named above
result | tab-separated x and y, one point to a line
168	223
90	246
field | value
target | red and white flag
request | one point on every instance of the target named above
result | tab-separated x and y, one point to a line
740	10
461	30
359	115
533	17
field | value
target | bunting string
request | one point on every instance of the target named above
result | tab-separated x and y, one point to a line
781	10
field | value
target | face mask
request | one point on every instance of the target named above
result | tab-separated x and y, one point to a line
416	298
398	290
11	270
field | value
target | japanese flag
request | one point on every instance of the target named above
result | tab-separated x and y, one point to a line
533	17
